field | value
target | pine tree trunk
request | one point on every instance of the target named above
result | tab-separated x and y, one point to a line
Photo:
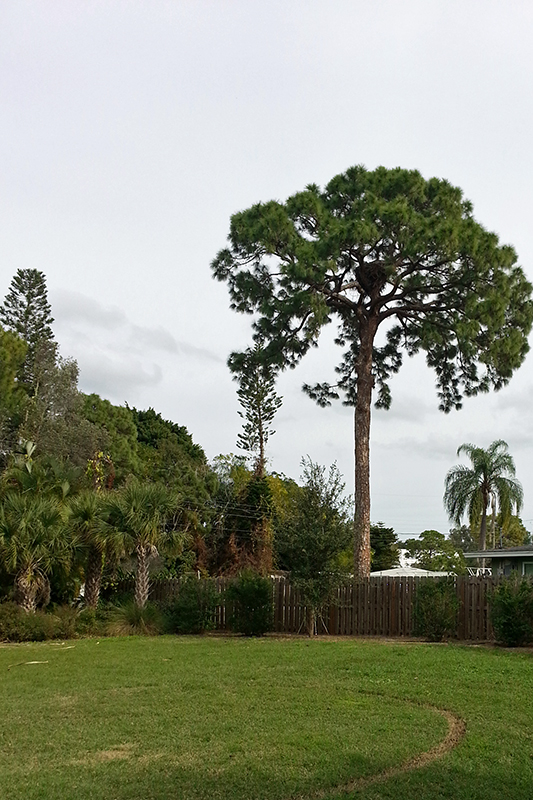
142	583
93	577
365	384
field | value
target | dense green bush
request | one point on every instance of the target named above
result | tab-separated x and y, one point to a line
61	622
435	609
251	602
511	611
16	625
193	610
129	619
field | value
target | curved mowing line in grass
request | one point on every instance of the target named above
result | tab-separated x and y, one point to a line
456	731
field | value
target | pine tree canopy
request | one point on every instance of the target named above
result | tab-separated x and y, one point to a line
27	312
26	309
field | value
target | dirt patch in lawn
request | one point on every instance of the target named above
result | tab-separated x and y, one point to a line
118	753
455	733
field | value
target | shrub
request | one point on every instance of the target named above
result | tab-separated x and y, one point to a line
193	610
435	609
65	620
511	611
16	625
129	619
252	607
94	623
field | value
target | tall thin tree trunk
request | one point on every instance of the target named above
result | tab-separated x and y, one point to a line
365	384
483	533
142	582
93	577
483	529
493	521
311	620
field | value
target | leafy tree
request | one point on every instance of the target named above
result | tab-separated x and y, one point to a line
32	541
507	531
152	430
433	551
462	538
314	536
145	515
168	454
120	434
12	396
54	419
27	312
511	611
379	251
251	603
489	481
384	544
241	531
259	403
435	609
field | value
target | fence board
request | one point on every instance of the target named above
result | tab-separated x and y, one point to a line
375	607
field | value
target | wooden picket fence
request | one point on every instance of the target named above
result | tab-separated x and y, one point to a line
381	606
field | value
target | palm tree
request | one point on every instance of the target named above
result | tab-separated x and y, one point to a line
33	539
88	522
489	481
144	515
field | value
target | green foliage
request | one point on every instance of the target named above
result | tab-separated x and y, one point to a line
130	619
508	530
54	417
462	538
120	439
152	430
379	248
259	403
384	544
250	596
146	517
511	611
488	482
193	610
26	311
435	609
60	622
12	395
434	552
314	534
241	530
16	625
33	540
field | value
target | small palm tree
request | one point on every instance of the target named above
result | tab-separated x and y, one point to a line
144	515
488	482
33	539
94	536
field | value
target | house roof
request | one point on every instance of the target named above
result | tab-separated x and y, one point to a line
524	551
407	572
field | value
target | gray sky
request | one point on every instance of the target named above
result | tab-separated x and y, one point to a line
130	133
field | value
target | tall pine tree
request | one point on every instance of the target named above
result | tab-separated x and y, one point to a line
259	403
27	312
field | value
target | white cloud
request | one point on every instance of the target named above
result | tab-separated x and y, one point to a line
117	357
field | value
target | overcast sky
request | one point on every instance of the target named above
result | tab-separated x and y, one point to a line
131	131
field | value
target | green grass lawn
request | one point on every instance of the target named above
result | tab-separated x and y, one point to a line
190	718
